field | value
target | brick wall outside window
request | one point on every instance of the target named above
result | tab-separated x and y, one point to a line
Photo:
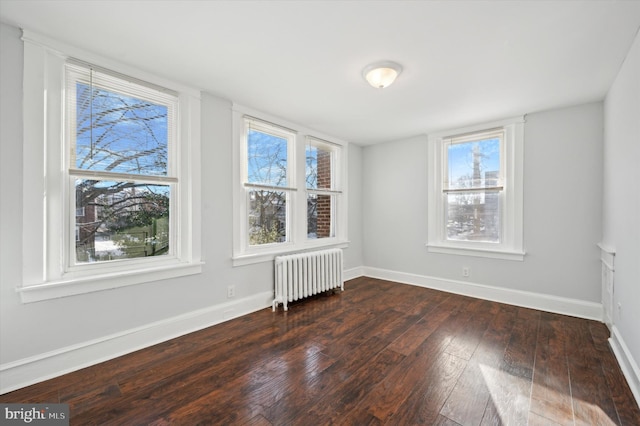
324	201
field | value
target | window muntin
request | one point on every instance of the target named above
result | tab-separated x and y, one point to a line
120	137
268	182
473	182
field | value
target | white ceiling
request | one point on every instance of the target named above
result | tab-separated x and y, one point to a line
464	62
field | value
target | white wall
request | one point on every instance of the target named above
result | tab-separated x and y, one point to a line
621	208
562	208
39	340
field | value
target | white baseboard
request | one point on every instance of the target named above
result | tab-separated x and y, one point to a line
543	302
27	371
349	274
628	365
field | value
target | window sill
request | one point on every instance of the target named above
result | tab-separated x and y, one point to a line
477	252
269	256
89	284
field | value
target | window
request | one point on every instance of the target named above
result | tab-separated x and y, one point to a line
267	182
472	183
288	189
121	165
116	150
322	193
475	191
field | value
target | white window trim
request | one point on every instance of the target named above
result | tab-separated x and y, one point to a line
45	274
243	254
512	245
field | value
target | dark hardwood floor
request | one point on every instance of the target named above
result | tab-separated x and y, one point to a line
377	353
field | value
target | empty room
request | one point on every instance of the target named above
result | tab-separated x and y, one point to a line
319	212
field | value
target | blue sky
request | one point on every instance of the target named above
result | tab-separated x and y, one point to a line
266	158
129	135
460	158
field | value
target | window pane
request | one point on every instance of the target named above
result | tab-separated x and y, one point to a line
319	208
120	220
267	217
473	164
266	158
119	133
318	170
474	216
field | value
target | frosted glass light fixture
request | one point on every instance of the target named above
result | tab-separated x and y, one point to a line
381	74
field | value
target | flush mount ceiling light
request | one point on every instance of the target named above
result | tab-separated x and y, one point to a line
381	74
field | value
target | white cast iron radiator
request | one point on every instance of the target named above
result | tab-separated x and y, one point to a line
305	274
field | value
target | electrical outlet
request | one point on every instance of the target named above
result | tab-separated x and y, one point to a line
466	271
231	291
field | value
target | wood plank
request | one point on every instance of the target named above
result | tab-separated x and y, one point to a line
551	391
339	401
538	420
520	352
246	396
426	399
491	416
339	375
421	330
467	401
225	377
465	342
419	301
592	402
389	394
626	406
83	399
444	421
510	384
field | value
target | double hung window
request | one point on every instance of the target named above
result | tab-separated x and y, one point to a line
289	192
475	191
121	167
110	173
472	184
